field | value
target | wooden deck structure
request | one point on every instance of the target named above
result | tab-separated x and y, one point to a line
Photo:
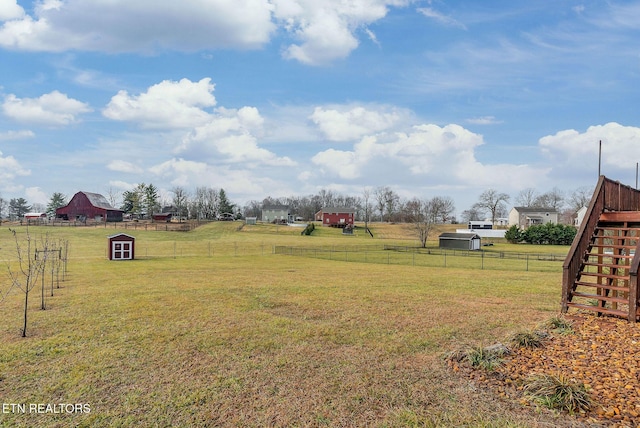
600	272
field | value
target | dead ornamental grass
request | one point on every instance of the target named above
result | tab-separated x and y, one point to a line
266	340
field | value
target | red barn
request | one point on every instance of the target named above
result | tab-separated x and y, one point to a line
85	205
121	247
336	216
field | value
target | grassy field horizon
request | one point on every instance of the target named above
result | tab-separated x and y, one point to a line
208	333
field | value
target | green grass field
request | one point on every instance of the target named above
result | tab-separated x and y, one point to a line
210	328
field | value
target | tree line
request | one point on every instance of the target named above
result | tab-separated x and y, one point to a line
373	204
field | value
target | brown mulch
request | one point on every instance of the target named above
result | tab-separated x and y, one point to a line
602	353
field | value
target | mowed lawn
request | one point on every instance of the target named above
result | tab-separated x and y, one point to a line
209	328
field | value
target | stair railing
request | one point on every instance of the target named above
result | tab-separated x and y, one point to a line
608	195
633	285
580	244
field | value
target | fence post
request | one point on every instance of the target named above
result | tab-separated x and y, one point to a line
482	263
527	262
445	259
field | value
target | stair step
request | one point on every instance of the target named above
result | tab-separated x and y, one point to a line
624	247
616	312
605	275
615	235
607	265
601	298
603	286
613	256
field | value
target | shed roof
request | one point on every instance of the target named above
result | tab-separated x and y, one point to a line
120	234
459	236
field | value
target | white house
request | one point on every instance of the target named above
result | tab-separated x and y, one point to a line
524	217
577	221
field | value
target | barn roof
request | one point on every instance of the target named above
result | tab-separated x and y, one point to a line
99	201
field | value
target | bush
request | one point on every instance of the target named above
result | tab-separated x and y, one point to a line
513	235
558	392
488	358
552	234
309	229
527	339
559	324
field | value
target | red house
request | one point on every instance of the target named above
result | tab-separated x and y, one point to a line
121	247
336	216
85	205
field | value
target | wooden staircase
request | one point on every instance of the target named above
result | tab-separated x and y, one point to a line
602	284
600	273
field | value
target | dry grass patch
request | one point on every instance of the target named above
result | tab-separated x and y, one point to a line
252	340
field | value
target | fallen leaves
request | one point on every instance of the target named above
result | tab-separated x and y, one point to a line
602	353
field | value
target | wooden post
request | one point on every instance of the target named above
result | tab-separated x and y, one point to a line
633	296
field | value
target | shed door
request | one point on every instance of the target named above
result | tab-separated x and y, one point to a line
122	250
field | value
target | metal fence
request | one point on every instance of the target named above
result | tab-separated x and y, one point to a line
432	257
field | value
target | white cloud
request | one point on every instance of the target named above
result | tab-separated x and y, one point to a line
165	105
326	29
229	137
351	124
441	18
429	154
323	30
572	149
10	169
16	135
124	166
191	174
140	26
484	120
35	195
122	185
9	9
53	108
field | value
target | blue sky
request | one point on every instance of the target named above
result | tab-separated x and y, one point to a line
287	97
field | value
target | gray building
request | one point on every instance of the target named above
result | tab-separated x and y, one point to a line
459	241
271	213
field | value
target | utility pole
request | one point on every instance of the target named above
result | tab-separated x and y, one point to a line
599	158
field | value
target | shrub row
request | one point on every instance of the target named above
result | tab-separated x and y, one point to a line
552	234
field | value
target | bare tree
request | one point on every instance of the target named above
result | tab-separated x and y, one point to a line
527	197
424	216
180	199
386	202
26	276
473	213
113	197
3	206
443	208
554	198
493	202
367	208
581	197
